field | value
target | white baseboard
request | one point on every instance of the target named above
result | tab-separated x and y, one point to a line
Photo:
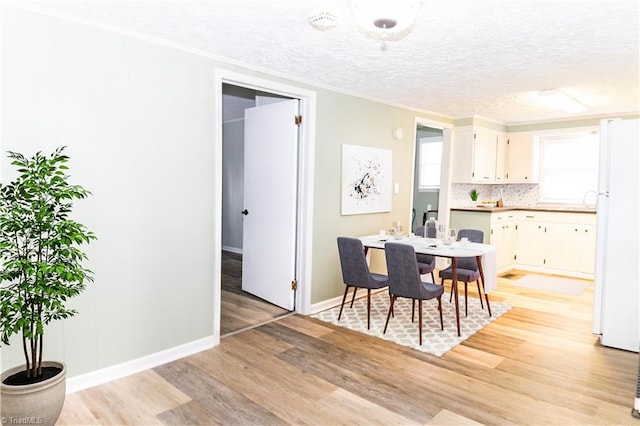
324	305
232	249
114	372
330	303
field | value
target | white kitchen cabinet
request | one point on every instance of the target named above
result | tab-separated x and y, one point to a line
522	159
502	144
571	247
556	243
478	155
502	237
530	242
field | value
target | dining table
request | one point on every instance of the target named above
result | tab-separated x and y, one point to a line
484	254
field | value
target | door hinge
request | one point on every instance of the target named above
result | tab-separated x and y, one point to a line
294	284
298	120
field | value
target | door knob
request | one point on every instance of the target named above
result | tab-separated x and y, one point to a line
245	212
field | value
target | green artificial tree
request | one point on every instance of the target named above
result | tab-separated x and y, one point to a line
40	260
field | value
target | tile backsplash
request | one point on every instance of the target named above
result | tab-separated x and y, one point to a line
524	194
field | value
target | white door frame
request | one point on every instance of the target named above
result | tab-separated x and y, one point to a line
445	173
305	183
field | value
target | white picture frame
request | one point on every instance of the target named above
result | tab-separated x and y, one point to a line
366	180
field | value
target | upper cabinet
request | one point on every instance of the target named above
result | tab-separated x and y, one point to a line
478	155
481	155
522	158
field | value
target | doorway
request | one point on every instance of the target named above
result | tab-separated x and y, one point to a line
244	90
431	179
244	181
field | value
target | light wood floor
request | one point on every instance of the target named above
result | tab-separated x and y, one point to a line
238	309
537	364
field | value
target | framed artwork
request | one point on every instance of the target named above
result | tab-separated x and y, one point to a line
366	180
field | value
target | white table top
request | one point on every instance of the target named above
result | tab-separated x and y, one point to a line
455	249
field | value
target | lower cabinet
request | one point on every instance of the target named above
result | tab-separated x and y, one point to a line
530	244
571	247
557	243
548	242
502	237
498	228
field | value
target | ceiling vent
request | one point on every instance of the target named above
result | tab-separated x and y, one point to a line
323	20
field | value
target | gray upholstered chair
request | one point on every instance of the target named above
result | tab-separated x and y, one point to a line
355	272
426	262
404	281
467	268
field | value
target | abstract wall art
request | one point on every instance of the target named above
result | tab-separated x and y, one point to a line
366	180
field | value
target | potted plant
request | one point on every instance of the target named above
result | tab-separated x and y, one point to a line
473	194
40	269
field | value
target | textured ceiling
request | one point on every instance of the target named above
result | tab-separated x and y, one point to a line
462	58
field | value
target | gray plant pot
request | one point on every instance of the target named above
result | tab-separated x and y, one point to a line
39	403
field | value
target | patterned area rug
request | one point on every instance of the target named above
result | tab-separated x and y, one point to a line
403	332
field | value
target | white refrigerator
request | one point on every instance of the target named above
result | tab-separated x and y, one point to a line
617	276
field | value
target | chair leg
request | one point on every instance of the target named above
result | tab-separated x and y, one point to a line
413	309
355	290
346	290
420	321
440	309
480	294
486	298
393	299
368	308
391	304
465	299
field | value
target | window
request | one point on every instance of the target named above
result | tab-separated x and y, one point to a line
568	167
430	161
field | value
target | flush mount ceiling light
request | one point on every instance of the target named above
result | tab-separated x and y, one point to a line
385	20
558	99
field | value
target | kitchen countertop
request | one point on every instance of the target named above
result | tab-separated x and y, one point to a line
569	208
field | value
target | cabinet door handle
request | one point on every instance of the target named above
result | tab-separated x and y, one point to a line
529	217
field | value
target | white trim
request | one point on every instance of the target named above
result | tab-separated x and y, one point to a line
305	180
326	304
445	178
114	372
336	301
232	249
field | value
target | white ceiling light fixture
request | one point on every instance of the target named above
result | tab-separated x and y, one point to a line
385	20
558	99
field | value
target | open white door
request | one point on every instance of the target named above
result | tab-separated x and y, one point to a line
270	200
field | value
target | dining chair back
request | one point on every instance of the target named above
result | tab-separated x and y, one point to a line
404	281
431	232
355	272
426	262
467	269
474	236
